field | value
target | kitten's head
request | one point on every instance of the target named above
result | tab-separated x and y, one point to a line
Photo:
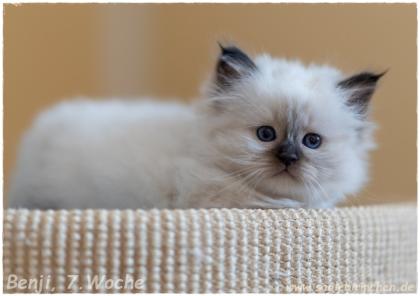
297	134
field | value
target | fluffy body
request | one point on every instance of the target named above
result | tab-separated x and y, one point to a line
145	154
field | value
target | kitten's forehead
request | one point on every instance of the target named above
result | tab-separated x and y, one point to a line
299	96
293	97
290	78
325	117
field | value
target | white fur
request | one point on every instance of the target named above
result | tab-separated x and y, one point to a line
144	154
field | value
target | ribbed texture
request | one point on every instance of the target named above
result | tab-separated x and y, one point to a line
225	250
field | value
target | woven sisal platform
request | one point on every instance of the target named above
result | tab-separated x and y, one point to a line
341	250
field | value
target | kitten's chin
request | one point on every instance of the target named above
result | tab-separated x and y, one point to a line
283	184
286	173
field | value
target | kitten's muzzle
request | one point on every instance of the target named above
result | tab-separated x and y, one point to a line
287	153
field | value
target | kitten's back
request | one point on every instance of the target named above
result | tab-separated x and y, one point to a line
80	151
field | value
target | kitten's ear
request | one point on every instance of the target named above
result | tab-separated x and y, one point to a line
232	65
361	88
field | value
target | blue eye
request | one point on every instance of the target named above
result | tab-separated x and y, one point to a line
266	133
312	140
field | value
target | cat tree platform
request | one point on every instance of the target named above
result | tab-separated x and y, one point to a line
356	249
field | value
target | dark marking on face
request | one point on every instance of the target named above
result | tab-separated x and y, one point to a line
287	152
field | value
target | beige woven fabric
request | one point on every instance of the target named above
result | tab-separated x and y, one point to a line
227	250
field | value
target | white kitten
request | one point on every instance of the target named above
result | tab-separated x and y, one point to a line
269	133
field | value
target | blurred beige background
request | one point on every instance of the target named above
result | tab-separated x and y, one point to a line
56	51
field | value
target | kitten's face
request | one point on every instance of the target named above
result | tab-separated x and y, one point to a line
298	135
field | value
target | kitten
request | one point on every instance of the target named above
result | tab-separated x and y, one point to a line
268	133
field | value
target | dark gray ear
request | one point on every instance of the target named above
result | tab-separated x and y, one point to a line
233	64
361	88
